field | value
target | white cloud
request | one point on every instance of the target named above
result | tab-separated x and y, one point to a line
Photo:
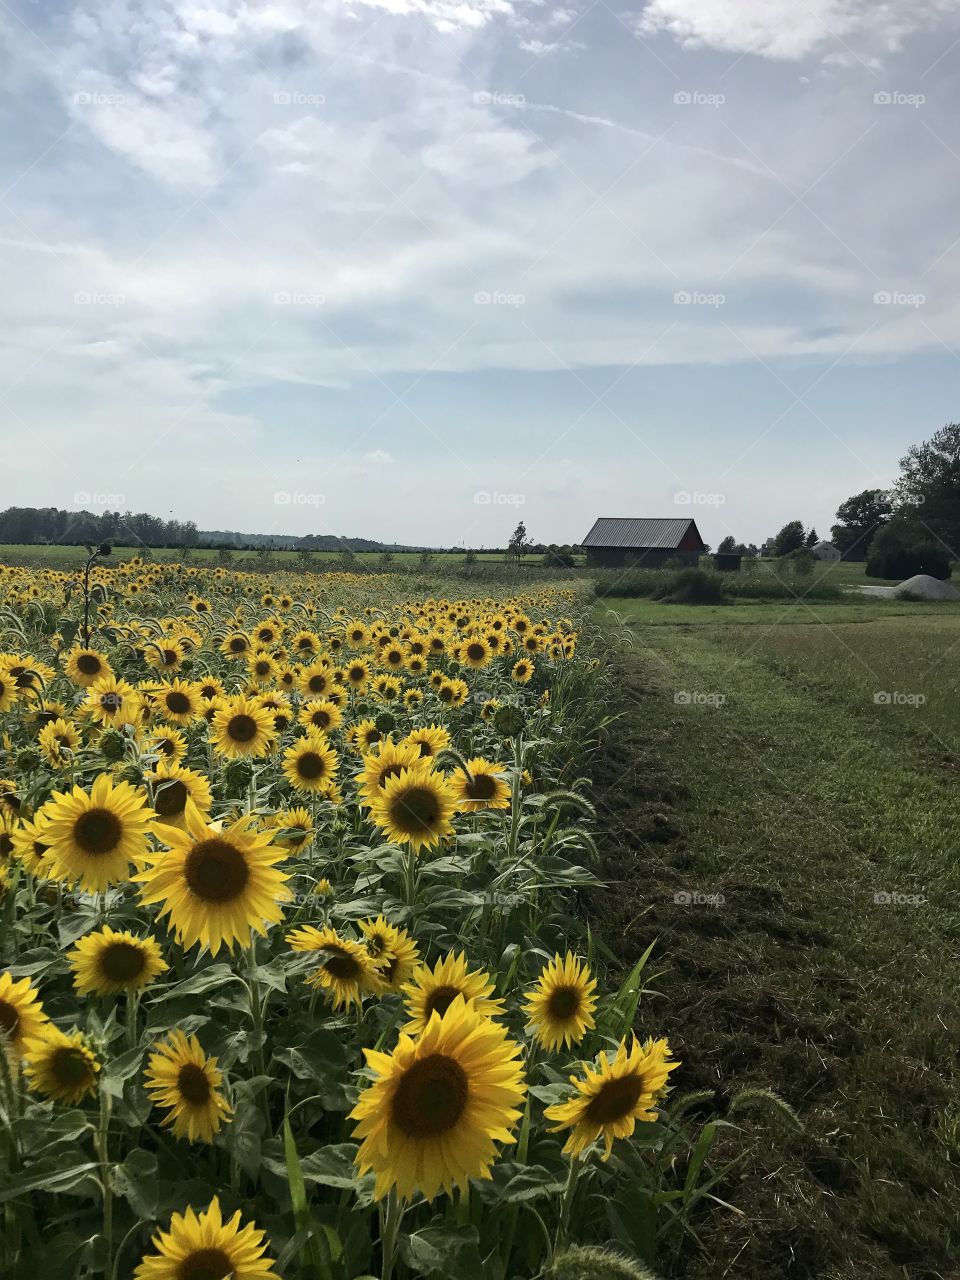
785	30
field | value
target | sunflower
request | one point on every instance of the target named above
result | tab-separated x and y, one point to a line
613	1095
209	687
482	788
475	653
204	1247
321	714
167	654
86	666
112	702
393	951
453	693
430	1120
172	786
30	848
315	679
62	1066
415	807
522	671
235	645
55	738
8	690
363	735
262	668
21	1014
242	728
429	740
168	745
381	765
181	1078
106	962
295	829
560	1007
358	635
310	764
347	971
357	673
94	837
433	990
217	886
179	702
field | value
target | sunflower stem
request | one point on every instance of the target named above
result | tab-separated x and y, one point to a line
132	1008
389	1231
411	877
566	1204
256	1014
103	1155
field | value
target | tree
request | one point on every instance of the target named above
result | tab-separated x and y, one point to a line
860	518
790	538
928	489
518	545
728	545
903	548
811	539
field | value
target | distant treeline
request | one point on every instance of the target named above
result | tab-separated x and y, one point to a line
35	525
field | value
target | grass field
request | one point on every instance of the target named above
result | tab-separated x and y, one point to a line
790	841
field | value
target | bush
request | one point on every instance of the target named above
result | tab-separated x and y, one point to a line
693	586
558	558
900	550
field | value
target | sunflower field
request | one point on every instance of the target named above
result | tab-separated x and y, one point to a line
292	977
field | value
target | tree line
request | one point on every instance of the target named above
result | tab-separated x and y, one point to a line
912	527
34	525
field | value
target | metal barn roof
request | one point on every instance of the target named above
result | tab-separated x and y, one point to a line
632	533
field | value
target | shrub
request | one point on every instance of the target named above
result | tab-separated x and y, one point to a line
693	586
557	558
901	550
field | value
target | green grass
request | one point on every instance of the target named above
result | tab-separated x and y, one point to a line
791	809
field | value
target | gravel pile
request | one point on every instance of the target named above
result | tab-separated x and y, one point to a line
927	588
921	586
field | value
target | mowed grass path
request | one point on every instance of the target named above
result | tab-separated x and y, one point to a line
794	848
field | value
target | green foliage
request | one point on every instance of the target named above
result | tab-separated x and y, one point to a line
904	548
586	1263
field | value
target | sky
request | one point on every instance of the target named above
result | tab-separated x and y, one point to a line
415	270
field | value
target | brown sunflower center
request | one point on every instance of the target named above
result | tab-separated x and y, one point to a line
390	771
98	831
216	871
6	845
417	810
122	962
241	728
321	719
615	1099
439	1000
171	799
204	1264
311	765
88	664
70	1068
476	652
431	1097
193	1084
317	684
178	703
170	657
344	966
237	644
483	787
9	1019
564	1002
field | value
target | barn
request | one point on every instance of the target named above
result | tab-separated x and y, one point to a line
826	551
614	541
